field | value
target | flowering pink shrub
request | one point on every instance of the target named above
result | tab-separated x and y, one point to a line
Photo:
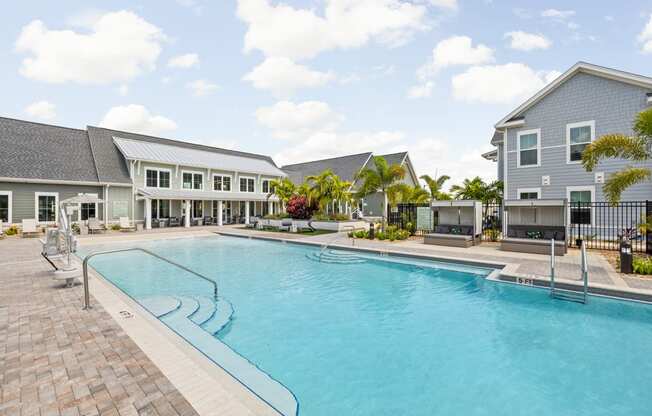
299	208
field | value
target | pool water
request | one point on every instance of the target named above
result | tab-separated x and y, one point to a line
370	337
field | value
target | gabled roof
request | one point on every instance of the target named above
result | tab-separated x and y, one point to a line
192	156
491	155
584	67
346	167
41	151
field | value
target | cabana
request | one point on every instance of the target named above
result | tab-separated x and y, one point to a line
459	223
532	223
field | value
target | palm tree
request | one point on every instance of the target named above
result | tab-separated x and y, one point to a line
404	193
633	148
470	189
327	188
435	185
379	179
284	189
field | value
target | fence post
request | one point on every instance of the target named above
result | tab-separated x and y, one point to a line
648	233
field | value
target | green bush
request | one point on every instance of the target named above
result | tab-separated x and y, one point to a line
13	230
279	216
330	217
642	265
359	234
75	228
115	227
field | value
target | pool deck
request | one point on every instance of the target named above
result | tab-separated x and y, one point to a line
115	359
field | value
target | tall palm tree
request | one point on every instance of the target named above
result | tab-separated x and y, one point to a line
327	188
283	189
470	189
404	193
378	179
436	185
633	148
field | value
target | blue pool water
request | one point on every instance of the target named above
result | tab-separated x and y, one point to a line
377	338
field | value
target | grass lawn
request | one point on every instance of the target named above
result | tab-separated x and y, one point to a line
303	232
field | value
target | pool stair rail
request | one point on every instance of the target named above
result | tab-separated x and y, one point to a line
565	294
151	253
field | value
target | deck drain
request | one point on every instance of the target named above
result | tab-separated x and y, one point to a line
126	314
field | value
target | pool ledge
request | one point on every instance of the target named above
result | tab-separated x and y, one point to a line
210	389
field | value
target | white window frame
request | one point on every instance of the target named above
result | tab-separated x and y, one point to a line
591	124
268	185
79	207
222	176
247	177
570	189
10	202
528	190
158	177
56	206
518	147
193	172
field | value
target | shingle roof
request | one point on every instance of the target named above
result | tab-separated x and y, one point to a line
346	167
41	151
394	158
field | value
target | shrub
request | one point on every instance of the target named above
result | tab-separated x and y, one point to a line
359	234
330	217
115	227
642	265
75	228
299	208
13	230
411	228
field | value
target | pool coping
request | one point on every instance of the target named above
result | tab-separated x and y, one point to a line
504	272
188	369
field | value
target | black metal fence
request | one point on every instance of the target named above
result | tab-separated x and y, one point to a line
599	224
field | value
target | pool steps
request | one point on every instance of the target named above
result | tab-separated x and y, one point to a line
335	257
197	319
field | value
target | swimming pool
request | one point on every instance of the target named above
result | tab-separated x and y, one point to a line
360	335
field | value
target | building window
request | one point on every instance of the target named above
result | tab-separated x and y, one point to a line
528	148
87	211
580	206
528	193
247	184
197	209
154	204
578	136
221	183
265	186
46	207
193	181
5	206
157	178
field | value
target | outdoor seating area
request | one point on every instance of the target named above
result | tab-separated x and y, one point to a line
459	223
532	223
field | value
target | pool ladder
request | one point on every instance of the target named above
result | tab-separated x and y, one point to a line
565	294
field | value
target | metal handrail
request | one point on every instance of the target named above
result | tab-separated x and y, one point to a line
98	253
552	267
337	234
585	270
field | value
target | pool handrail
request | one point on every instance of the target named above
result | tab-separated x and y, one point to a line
98	253
337	235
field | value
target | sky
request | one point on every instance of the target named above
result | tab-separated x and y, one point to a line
305	80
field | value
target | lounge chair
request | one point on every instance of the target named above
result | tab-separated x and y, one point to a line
95	226
253	222
29	228
126	225
286	225
174	222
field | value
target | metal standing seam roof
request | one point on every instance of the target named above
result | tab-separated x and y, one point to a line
175	155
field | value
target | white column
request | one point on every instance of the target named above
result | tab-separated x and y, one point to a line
246	212
187	216
220	220
148	214
270	207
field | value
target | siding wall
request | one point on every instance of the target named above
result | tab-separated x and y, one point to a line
612	104
119	195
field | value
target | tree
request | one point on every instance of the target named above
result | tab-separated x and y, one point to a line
284	189
479	190
633	148
435	185
327	187
379	179
404	193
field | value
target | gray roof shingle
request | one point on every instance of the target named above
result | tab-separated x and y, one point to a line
346	167
41	151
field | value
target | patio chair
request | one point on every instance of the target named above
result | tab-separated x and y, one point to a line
95	226
174	222
252	222
126	225
286	225
30	228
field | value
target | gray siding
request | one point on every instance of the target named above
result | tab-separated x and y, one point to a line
118	196
500	163
611	104
24	197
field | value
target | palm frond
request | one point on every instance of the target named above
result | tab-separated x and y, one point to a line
643	124
614	146
616	184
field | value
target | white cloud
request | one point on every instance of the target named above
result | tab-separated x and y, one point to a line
283	77
120	46
445	4
123	90
186	61
456	50
43	110
500	83
136	118
202	87
288	120
86	18
421	90
284	31
645	37
524	41
558	14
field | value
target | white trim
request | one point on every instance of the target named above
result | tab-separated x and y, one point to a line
222	175
9	206
519	191
515	123
585	67
56	206
518	147
194	172
591	124
79	206
570	189
158	177
61	182
262	191
246	177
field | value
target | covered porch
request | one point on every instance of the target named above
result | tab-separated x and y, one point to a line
165	208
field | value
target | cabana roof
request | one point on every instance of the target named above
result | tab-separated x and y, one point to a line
535	203
456	203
